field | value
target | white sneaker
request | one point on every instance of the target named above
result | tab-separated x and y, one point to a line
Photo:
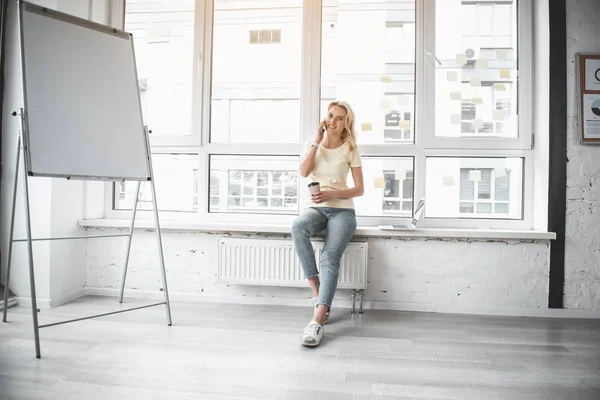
315	305
312	334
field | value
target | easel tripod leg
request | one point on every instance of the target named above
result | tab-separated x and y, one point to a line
12	230
161	255
137	194
157	225
36	330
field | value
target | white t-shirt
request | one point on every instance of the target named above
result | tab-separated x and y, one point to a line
331	171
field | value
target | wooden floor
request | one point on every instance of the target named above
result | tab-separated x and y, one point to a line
253	352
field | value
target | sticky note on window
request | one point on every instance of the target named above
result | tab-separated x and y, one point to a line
477	123
475	81
500	87
501	54
452	76
448	180
386	104
475	175
404	124
379	183
366	126
455	118
400	174
386	78
455	95
505	73
477	100
481	63
461	59
498	115
403	100
500	172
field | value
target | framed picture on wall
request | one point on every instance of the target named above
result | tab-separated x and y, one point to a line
588	97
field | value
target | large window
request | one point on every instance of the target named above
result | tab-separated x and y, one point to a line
232	89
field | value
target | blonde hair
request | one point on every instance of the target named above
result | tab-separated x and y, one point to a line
349	134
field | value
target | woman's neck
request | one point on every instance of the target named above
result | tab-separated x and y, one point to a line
332	142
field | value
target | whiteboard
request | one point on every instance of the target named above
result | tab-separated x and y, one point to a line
83	117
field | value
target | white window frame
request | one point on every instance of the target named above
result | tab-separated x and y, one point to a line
524	141
425	144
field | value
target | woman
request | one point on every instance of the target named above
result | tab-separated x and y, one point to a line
327	161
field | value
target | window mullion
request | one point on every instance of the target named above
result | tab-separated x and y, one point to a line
425	56
310	96
203	68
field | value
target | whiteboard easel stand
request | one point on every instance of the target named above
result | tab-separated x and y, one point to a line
22	146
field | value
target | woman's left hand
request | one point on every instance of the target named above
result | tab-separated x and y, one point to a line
323	196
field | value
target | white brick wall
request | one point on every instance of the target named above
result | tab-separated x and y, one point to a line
582	253
419	274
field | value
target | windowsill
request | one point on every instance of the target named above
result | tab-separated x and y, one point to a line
285	229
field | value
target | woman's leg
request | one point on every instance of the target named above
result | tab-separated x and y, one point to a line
307	224
340	229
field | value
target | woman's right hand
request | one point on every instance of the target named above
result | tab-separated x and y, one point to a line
321	131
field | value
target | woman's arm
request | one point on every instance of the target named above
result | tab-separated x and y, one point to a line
308	164
358	189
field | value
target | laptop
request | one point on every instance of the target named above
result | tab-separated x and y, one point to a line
408	224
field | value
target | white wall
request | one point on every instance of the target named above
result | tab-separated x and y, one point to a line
56	205
582	253
509	277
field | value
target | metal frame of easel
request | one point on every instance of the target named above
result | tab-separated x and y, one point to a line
22	147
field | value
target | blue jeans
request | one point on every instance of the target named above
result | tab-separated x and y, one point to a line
340	225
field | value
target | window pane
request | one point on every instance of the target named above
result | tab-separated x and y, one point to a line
388	187
164	39
474	187
254	184
372	68
475	85
176	180
255	94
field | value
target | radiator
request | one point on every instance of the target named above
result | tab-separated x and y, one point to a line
273	262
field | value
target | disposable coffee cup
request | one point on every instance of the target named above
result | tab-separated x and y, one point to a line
314	187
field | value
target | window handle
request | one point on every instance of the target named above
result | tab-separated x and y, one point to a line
433	58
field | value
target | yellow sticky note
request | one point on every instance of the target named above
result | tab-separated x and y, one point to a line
366	126
481	63
379	183
477	100
386	78
386	104
455	95
403	100
404	124
455	118
500	87
477	123
501	54
505	73
461	59
475	175
475	81
451	76
498	115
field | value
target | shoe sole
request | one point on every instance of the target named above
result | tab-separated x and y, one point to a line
311	344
